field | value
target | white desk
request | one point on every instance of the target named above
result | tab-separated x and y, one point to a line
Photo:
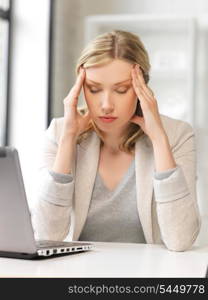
113	260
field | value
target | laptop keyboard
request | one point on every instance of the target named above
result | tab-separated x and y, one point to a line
46	244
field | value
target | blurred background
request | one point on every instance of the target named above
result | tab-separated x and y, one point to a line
40	42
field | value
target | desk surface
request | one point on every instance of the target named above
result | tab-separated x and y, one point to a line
113	260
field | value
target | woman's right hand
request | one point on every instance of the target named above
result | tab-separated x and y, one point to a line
74	122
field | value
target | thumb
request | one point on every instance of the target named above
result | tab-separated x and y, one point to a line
86	117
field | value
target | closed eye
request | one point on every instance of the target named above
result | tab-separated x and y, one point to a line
93	92
122	92
119	92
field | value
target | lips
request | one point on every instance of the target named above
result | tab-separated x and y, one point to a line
108	119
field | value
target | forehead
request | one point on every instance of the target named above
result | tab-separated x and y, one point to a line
115	72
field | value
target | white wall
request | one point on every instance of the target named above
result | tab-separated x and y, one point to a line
29	84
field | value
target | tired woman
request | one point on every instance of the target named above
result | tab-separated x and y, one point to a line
116	170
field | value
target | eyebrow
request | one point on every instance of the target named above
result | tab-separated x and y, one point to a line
98	83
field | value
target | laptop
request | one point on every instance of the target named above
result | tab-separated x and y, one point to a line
17	239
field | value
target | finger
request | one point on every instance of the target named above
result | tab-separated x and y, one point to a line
76	89
145	104
139	74
137	87
141	81
79	82
136	80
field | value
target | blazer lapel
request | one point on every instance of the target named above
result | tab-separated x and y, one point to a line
144	167
86	168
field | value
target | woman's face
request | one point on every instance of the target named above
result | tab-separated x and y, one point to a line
108	92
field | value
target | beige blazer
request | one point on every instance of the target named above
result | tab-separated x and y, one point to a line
167	208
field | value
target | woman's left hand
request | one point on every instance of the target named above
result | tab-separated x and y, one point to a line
150	123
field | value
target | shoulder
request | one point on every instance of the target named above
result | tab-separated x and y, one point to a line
53	132
176	130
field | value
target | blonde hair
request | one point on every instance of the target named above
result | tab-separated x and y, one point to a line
117	44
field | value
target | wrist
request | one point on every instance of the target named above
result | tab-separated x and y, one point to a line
68	138
161	138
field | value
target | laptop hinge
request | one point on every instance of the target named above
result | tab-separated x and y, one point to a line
2	152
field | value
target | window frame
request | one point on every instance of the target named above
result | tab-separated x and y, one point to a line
6	15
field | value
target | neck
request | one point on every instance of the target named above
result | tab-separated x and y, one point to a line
111	145
113	140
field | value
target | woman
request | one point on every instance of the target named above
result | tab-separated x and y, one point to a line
116	170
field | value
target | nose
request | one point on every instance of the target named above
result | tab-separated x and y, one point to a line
107	105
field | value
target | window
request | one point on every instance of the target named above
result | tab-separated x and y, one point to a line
4	67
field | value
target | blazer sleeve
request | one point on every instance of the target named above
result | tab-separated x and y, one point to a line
175	196
51	213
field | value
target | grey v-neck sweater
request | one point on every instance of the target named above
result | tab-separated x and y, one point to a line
113	215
